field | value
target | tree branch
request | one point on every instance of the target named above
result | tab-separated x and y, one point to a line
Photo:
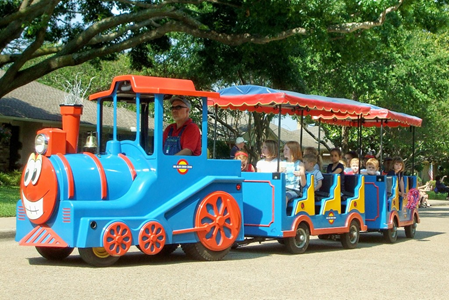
351	27
117	36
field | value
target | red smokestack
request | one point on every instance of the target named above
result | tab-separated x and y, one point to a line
71	115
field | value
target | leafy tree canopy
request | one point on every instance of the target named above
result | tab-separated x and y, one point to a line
392	53
69	32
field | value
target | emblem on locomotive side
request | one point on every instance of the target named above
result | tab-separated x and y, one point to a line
182	166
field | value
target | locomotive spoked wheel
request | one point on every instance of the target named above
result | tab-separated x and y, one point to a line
97	257
349	240
218	219
219	216
410	230
299	243
117	239
391	235
54	253
152	238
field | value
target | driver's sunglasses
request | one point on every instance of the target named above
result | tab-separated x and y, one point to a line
177	107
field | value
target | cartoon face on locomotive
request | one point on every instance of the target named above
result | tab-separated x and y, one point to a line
128	192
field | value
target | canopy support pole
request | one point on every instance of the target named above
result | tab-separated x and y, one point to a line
302	124
279	135
413	149
215	131
381	145
319	136
359	130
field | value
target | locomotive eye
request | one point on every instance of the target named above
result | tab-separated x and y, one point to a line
29	171
37	170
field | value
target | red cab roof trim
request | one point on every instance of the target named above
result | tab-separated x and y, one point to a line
155	85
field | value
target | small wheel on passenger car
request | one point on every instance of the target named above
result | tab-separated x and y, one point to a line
391	234
54	253
97	257
199	252
410	230
349	240
299	243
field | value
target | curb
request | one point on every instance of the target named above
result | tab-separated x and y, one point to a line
7	234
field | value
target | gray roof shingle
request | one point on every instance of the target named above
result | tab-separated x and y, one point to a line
36	101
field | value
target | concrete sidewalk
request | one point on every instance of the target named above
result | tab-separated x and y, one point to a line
8	225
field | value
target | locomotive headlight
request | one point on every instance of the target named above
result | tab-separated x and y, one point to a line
41	143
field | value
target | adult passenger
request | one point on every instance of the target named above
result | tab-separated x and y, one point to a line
440	187
239	144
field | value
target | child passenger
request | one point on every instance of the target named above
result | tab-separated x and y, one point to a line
293	168
372	167
243	157
354	167
388	165
348	157
398	170
309	165
314	151
336	167
269	163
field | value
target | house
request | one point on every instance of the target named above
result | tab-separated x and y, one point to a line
34	106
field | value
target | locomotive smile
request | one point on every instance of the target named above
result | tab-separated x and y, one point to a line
34	209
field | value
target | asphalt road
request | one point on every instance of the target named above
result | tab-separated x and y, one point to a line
409	269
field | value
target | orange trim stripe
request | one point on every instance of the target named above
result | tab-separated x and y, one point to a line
129	164
195	229
70	181
104	182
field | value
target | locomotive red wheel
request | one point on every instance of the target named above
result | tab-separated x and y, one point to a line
117	239
220	214
152	238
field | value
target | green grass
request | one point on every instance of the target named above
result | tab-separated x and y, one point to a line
9	195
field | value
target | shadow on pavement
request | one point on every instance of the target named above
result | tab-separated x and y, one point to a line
434	212
137	258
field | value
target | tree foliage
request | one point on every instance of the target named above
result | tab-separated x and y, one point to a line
392	53
69	32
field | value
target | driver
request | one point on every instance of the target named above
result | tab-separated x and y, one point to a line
182	137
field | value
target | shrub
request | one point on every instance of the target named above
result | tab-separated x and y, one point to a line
10	178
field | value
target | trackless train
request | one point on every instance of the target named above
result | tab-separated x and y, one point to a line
129	193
